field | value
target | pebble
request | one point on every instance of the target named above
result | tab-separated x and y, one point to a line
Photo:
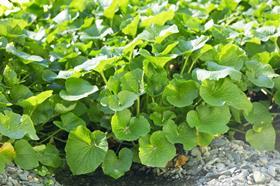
259	177
232	163
15	176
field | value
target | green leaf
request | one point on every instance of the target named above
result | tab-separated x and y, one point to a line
48	155
16	126
155	150
7	154
161	119
259	116
72	93
119	102
260	74
3	101
181	93
131	28
158	19
224	92
69	121
209	119
204	139
10	76
216	72
132	81
20	92
27	58
157	33
129	128
117	166
26	156
99	63
182	134
159	61
263	139
185	47
34	101
231	55
85	150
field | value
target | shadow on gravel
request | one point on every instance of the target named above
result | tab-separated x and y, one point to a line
132	178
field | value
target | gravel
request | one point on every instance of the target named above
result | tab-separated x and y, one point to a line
15	176
223	163
229	163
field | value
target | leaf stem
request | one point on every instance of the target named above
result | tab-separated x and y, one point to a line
185	64
50	136
138	105
104	78
237	130
191	67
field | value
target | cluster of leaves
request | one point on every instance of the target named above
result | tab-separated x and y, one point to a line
121	81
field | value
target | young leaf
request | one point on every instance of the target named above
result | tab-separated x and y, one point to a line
119	102
34	101
209	120
72	93
85	150
181	93
158	19
155	150
224	92
129	128
182	134
117	166
231	55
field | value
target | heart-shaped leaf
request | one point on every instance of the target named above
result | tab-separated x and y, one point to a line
117	166
224	92
260	74
48	155
16	126
155	150
85	150
231	55
181	93
262	139
182	134
72	93
34	101
158	19
7	154
209	119
129	128
26	156
259	116
216	72
69	121
124	99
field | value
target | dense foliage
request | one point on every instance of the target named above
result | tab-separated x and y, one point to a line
107	83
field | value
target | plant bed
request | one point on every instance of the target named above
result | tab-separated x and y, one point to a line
104	85
224	162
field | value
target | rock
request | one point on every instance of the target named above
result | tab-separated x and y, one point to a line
23	176
259	177
196	152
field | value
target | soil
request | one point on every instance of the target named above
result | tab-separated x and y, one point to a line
131	178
